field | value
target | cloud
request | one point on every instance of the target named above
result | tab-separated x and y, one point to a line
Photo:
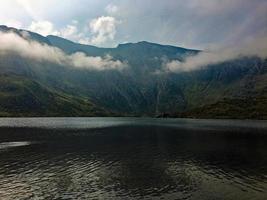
254	47
111	9
81	60
43	27
70	31
103	29
190	23
21	45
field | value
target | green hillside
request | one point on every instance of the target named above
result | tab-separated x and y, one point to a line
20	96
242	98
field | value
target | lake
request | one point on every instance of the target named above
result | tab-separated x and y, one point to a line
132	158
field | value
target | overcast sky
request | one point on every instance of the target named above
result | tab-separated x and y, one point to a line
198	24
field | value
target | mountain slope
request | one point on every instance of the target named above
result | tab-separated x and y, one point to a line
244	98
233	89
20	96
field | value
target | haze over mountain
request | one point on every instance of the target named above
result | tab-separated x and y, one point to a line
52	76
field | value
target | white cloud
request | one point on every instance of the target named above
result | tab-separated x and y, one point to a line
254	47
43	27
111	9
70	31
81	60
103	29
13	43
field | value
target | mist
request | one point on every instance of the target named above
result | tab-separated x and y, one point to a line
254	47
12	43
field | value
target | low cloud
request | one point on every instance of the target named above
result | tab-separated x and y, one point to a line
80	60
24	47
256	47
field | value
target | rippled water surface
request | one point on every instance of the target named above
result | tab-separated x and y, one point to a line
130	158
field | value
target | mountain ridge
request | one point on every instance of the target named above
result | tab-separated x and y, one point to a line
7	28
53	37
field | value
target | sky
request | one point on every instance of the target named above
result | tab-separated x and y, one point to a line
199	24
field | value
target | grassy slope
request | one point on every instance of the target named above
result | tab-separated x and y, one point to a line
20	96
250	102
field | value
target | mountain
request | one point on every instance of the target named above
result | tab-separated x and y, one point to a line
233	89
21	96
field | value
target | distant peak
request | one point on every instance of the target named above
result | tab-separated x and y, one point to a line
58	38
3	26
144	42
137	44
6	28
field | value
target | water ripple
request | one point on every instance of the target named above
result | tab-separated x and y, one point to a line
132	162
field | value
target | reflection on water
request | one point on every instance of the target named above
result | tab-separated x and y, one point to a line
5	145
132	159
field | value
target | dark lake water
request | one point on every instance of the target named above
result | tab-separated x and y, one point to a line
130	158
